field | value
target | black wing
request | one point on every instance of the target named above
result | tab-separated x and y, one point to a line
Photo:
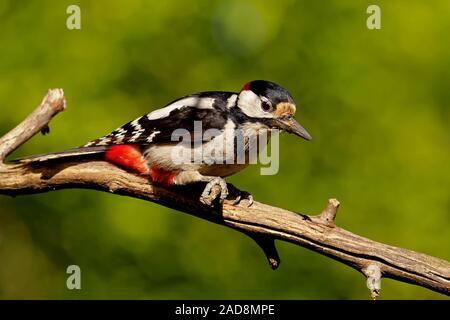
209	108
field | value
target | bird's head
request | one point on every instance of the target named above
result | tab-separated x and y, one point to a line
269	105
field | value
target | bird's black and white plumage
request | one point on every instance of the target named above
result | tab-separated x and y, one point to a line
147	145
211	108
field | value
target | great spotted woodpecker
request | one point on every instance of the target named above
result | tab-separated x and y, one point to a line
146	145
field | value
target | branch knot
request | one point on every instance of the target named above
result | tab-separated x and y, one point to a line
328	214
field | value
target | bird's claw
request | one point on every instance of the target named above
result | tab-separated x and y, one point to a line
243	195
239	195
210	193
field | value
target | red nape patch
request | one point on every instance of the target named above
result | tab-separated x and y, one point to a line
127	156
162	177
246	86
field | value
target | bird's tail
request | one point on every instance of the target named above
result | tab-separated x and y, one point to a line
75	152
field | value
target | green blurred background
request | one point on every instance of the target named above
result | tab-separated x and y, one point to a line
375	101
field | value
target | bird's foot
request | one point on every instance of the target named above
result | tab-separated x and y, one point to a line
215	189
239	195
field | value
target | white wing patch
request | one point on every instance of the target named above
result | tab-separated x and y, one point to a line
138	130
231	101
120	135
201	103
103	142
152	135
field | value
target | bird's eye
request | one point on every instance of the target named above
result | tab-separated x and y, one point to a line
266	106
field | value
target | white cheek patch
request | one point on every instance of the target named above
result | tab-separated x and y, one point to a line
250	104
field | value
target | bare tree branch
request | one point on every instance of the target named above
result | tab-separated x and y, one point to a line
263	223
53	103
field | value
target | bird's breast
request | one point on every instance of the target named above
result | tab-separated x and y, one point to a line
220	156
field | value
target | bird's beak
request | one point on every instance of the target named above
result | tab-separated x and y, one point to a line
290	125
